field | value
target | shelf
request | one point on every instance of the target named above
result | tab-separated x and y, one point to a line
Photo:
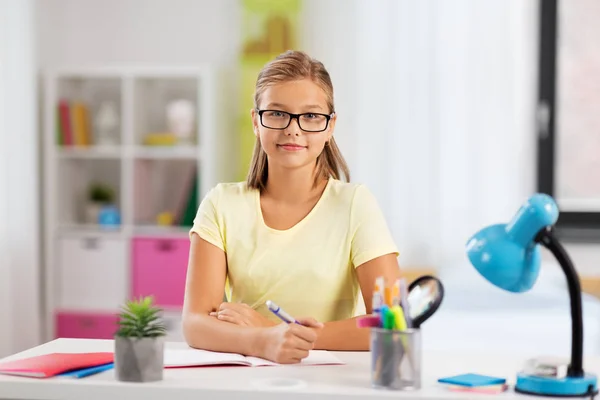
177	152
163	106
82	230
94	152
88	111
87	230
166	152
75	179
154	136
161	231
164	186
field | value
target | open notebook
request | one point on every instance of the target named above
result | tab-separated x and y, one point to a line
196	358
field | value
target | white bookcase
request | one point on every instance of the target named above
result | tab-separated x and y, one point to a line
90	269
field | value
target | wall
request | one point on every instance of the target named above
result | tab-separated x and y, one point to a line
19	203
5	273
585	257
74	32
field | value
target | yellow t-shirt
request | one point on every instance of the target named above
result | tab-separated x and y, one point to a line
308	269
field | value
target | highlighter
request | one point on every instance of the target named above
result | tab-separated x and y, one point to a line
399	319
387	317
387	295
399	323
378	295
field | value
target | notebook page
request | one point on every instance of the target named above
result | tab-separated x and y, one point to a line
196	357
315	357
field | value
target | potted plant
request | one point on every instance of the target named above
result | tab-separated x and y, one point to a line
99	196
139	342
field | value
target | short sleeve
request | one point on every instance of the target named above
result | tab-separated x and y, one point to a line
371	236
207	223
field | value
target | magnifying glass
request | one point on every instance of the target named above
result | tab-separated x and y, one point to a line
425	295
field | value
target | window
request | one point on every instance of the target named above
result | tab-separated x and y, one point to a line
569	112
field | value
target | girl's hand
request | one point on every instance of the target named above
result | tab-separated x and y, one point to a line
289	343
241	314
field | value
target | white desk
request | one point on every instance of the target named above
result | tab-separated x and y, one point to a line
307	382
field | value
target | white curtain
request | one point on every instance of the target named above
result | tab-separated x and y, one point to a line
436	103
19	201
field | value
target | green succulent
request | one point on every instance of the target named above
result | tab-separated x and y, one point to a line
140	318
101	193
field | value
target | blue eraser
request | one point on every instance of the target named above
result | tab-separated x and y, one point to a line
472	380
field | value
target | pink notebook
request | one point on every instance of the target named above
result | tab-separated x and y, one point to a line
52	364
197	358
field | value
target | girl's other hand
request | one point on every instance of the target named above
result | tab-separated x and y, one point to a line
241	314
289	343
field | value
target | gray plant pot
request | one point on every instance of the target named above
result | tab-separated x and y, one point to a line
139	359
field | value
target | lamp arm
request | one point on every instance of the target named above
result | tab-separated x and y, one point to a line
547	238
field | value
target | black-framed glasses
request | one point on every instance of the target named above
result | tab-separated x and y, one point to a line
308	122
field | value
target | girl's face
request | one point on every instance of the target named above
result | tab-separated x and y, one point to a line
293	145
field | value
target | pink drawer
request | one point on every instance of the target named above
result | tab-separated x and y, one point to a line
159	269
86	325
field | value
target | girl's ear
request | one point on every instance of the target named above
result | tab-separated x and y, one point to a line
254	116
331	126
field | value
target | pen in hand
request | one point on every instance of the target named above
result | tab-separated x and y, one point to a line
285	317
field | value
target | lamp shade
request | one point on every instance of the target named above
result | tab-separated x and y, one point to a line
507	255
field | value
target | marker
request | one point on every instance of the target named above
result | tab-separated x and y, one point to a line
378	295
387	296
399	320
387	318
369	321
396	293
285	317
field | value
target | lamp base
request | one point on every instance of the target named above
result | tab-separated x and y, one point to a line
585	386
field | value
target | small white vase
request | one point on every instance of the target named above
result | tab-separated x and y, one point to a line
106	124
92	210
139	359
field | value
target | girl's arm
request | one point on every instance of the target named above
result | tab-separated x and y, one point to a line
205	283
344	335
284	343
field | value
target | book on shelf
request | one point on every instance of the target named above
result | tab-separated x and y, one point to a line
189	205
73	127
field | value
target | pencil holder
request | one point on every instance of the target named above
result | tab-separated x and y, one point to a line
396	359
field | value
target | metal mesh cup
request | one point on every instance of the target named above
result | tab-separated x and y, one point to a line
396	359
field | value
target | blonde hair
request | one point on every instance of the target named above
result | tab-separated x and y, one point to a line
289	66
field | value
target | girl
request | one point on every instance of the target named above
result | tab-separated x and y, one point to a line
293	233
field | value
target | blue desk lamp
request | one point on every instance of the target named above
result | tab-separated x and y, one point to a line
509	255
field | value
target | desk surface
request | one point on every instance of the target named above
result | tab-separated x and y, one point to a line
290	382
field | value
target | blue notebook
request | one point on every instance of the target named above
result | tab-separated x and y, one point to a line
473	380
82	373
